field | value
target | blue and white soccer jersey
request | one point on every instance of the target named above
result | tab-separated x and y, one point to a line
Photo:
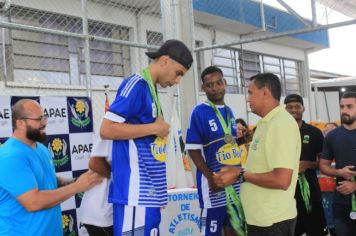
206	133
138	176
136	220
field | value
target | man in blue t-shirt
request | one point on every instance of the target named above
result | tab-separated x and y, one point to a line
340	145
134	121
211	142
29	193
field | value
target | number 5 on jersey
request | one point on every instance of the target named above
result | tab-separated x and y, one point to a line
213	125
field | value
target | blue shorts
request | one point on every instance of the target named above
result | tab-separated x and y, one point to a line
213	220
136	220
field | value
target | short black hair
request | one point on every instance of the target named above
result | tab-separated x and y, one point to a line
209	70
270	81
349	94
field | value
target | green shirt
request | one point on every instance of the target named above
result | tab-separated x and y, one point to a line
276	144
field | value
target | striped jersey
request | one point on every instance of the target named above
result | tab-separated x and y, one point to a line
138	165
206	133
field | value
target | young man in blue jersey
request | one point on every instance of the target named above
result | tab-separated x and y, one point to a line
211	142
29	193
135	123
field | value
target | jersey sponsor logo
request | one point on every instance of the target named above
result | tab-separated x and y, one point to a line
58	149
229	154
159	149
80	111
306	139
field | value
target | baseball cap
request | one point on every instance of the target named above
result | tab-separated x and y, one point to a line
293	98
176	50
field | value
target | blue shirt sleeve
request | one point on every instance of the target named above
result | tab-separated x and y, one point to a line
16	175
129	99
195	132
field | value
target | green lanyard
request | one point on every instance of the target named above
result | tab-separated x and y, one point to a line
226	127
237	219
147	76
305	191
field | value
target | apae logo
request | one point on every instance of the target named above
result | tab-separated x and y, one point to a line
68	225
4	114
80	111
58	149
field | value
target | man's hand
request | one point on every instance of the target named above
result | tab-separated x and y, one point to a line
346	172
346	187
213	187
304	165
87	180
226	176
162	128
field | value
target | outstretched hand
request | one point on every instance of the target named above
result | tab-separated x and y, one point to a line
226	176
87	180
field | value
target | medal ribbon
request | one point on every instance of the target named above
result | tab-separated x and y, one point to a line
235	210
305	191
147	76
226	127
353	197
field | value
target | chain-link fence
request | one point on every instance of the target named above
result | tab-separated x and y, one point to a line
81	45
44	51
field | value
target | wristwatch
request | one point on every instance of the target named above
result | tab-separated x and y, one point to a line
241	177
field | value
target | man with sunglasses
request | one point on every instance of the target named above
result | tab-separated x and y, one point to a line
29	193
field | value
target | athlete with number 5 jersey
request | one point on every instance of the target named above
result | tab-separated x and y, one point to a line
211	142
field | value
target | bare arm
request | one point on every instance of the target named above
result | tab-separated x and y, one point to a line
100	166
326	168
278	178
304	165
64	181
35	200
201	165
114	130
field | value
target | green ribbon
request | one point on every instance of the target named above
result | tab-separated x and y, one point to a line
226	127
305	191
235	210
147	76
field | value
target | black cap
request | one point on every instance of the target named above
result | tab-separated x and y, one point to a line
294	98
176	50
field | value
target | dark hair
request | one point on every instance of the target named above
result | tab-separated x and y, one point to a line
241	121
209	70
331	123
18	111
270	81
349	94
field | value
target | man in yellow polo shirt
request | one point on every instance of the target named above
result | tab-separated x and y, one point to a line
270	177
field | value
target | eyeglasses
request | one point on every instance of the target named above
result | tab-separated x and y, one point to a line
42	119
